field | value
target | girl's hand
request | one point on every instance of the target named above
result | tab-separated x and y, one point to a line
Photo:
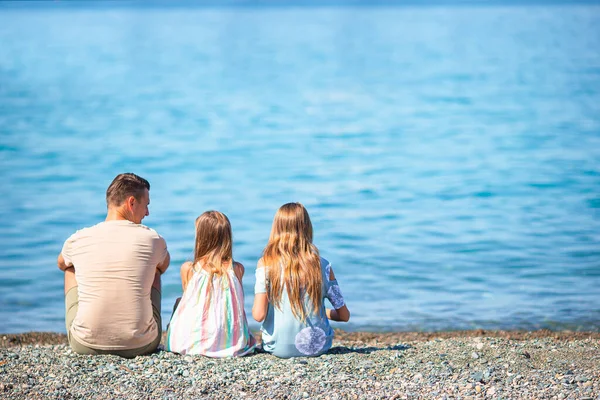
342	314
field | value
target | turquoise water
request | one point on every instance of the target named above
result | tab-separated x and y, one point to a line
449	156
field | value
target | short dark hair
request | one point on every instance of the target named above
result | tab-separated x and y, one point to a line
125	185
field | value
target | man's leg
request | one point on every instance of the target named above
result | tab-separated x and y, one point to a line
70	281
155	297
71	298
156	283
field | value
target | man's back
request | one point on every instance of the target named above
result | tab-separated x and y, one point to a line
115	264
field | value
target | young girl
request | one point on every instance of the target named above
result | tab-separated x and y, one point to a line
210	318
292	281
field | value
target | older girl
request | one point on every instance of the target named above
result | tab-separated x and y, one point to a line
210	318
292	281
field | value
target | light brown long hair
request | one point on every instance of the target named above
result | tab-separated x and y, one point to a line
213	247
290	246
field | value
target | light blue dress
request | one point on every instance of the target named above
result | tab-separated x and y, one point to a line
285	336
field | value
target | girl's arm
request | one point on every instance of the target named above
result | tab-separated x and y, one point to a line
261	303
185	272
260	307
239	270
341	314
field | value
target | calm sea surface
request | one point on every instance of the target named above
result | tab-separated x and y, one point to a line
449	156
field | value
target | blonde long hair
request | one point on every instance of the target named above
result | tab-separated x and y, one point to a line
213	243
290	246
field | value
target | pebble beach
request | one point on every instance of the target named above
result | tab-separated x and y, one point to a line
404	365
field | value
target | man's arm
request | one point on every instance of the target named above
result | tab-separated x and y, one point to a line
62	265
162	267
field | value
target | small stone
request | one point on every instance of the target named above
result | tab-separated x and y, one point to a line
478	389
479	346
305	395
487	374
186	373
418	377
477	376
474	355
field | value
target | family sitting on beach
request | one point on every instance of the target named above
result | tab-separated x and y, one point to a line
113	286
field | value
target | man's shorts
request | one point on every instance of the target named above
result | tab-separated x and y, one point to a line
72	305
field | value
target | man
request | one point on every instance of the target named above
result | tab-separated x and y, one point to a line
112	276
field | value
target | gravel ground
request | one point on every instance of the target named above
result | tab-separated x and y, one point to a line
447	365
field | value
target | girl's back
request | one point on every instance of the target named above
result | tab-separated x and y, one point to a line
283	334
292	281
210	319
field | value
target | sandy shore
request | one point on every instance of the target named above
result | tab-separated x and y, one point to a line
381	338
402	365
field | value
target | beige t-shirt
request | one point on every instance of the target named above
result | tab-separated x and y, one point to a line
115	263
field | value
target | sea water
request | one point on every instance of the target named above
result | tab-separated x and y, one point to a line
449	156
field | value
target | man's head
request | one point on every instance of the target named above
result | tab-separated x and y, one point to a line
129	194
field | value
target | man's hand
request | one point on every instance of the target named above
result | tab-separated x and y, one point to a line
62	265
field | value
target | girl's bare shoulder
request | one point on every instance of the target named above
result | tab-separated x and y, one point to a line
187	265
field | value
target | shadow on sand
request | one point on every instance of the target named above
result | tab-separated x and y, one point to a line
366	350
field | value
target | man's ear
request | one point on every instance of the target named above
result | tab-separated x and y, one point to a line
130	201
